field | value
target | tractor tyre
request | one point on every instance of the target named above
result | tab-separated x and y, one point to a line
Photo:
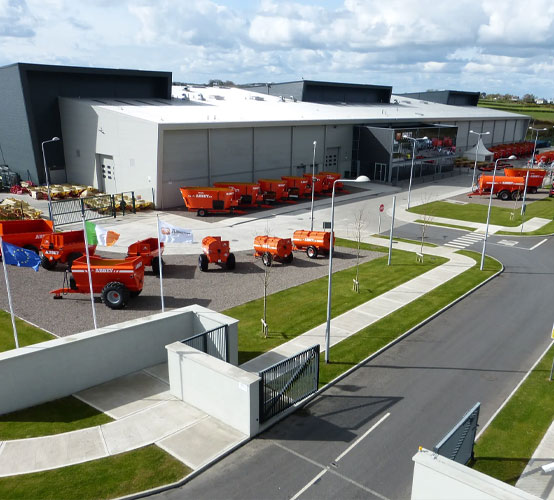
288	258
202	262
230	264
72	257
311	251
202	212
115	295
504	195
516	195
47	263
156	266
33	248
267	259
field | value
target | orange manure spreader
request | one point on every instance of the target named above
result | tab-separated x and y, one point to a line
273	190
505	188
148	250
297	186
204	200
63	247
536	176
215	251
270	249
312	242
25	233
115	279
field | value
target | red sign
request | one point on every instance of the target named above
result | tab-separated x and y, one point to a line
381	207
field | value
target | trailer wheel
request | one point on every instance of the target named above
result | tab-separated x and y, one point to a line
504	195
47	263
202	212
516	195
156	265
72	257
202	262
115	295
230	264
267	259
33	248
288	258
533	190
311	251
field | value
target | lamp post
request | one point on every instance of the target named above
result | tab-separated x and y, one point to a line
537	130
412	168
512	157
361	178
313	182
479	134
54	139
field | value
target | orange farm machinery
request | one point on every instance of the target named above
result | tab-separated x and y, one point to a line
274	190
505	188
297	187
331	177
63	247
204	200
312	242
115	279
270	249
148	250
215	251
247	194
25	233
534	179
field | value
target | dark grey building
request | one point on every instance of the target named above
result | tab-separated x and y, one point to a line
29	110
451	97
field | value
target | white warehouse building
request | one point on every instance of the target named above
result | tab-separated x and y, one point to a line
209	134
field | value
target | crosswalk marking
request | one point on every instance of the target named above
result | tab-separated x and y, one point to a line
466	240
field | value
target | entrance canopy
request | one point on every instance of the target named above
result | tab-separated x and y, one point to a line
483	154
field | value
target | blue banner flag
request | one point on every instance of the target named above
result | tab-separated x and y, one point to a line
21	257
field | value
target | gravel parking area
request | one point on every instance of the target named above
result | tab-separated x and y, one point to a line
183	284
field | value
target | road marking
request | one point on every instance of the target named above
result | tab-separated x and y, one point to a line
508	243
454	245
342	455
538	244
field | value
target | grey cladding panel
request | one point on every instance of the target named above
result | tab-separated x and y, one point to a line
510	129
185	155
499	127
272	148
230	151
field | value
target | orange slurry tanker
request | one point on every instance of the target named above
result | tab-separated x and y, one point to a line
270	249
204	200
115	279
312	242
217	252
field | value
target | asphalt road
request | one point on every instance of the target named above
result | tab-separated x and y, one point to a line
476	351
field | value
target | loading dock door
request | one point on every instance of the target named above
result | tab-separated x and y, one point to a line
108	183
331	160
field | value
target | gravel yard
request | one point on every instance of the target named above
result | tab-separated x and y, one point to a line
184	284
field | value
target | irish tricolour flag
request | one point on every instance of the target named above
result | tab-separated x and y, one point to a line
97	235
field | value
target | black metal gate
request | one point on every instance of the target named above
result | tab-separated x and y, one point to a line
457	445
213	342
287	382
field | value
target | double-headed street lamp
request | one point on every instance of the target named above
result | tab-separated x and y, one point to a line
361	178
512	157
479	134
313	183
54	139
414	141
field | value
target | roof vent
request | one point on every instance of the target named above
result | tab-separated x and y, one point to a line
217	97
257	98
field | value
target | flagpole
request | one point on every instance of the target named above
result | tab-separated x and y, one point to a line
10	299
88	271
160	265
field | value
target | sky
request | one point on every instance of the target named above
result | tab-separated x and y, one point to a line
492	46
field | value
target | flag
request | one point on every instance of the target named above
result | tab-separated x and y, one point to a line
173	234
97	235
21	257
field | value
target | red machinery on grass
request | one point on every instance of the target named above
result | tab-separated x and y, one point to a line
312	242
274	190
217	252
204	200
63	247
115	279
246	193
297	186
534	180
25	233
148	250
270	249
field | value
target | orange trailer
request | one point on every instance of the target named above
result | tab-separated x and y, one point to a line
148	250
297	186
270	249
25	233
313	242
332	177
246	193
505	187
320	184
217	252
273	190
63	247
204	200
536	176
115	279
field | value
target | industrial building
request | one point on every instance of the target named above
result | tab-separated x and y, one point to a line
121	130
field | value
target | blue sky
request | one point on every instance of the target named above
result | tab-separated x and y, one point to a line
487	45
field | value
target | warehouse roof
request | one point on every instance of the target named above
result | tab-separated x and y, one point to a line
196	106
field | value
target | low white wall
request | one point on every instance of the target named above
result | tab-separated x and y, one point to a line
56	368
208	320
438	478
220	389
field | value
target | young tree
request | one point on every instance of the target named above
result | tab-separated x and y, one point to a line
426	218
359	224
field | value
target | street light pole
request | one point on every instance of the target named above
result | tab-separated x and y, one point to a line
313	182
479	134
361	178
54	139
512	157
412	168
537	130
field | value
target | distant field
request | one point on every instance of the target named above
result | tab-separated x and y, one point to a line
543	114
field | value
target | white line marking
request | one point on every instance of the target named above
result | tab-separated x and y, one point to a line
309	484
469	238
508	243
454	245
373	427
538	244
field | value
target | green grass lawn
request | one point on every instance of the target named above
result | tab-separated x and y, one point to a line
359	346
501	216
509	442
306	305
26	333
406	240
111	477
465	228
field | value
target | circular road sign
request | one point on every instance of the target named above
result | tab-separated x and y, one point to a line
381	207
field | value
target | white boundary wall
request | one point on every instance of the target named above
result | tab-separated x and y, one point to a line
438	478
57	368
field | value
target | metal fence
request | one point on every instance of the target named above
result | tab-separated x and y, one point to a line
213	342
93	207
457	445
287	382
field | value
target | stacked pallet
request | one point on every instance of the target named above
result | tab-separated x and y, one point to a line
13	209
